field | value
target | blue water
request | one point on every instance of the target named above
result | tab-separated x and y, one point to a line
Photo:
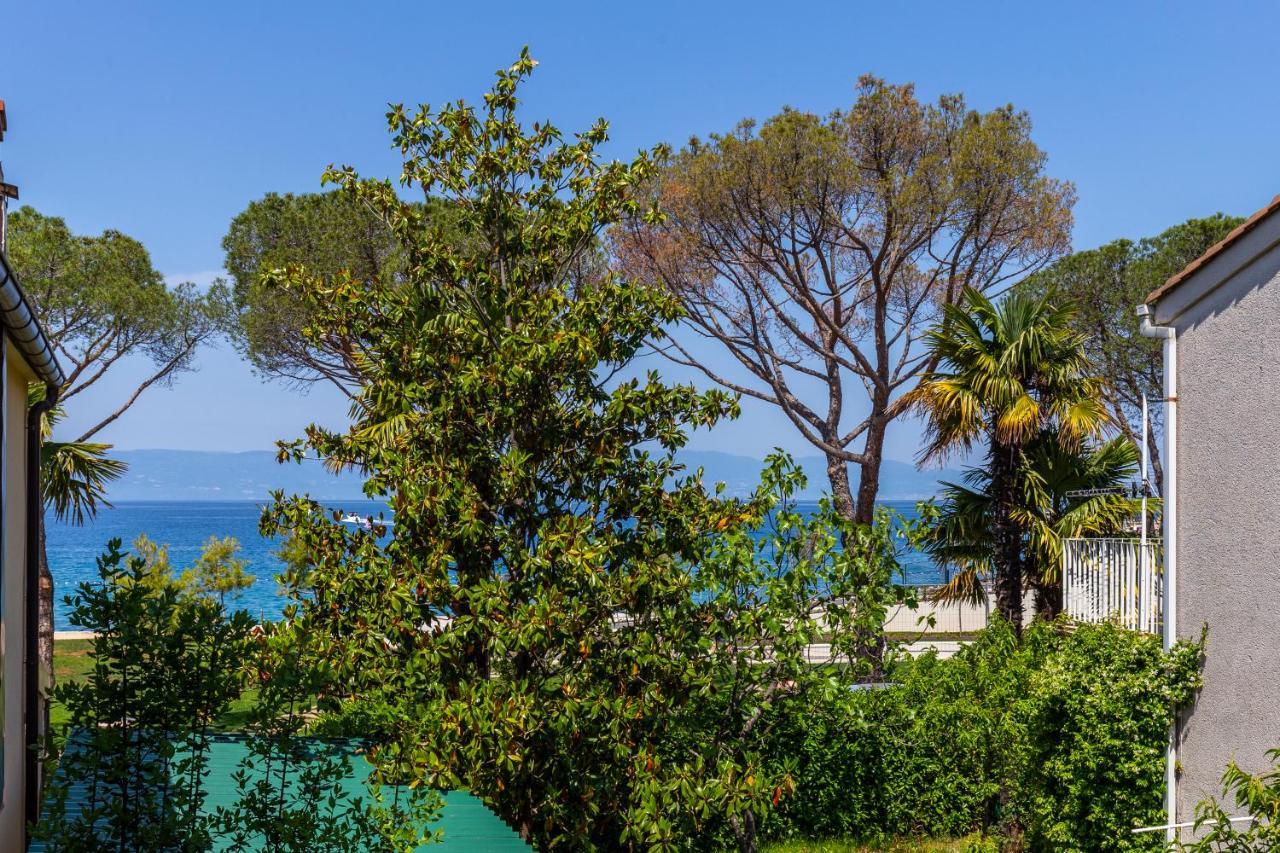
186	525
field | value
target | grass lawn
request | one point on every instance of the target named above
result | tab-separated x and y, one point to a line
839	846
72	661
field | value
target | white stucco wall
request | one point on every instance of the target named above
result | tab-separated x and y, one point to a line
1229	503
12	587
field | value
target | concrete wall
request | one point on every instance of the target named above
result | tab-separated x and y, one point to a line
13	592
1229	504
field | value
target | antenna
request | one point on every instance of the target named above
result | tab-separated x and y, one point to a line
1094	493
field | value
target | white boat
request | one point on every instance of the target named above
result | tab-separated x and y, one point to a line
365	521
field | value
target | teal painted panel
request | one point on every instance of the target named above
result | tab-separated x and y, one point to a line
467	823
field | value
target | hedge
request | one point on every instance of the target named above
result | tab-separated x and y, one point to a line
1053	742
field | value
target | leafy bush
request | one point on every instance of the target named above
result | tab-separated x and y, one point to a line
1257	795
134	761
165	666
1056	741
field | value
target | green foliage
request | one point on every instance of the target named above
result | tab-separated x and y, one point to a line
1009	375
74	475
1106	284
1256	795
962	537
328	233
1056	741
565	621
294	792
134	749
768	591
215	574
165	666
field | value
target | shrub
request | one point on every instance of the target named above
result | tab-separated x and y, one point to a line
1056	740
165	666
1257	795
135	762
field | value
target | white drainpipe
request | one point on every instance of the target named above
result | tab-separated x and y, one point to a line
1170	337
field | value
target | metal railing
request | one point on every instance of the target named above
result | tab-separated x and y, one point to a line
1114	580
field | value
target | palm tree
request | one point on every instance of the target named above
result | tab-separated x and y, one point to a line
73	477
1053	508
1007	374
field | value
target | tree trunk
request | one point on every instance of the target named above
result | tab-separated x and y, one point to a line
1157	470
841	493
44	646
869	480
1006	555
870	643
1134	434
1048	599
744	832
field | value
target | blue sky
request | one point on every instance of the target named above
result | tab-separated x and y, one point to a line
164	120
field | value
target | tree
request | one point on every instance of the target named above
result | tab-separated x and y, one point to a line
328	233
1107	284
816	251
1050	510
100	302
527	481
534	630
134	759
216	573
1009	373
74	476
767	593
165	666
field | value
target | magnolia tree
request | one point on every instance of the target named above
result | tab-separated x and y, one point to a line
565	621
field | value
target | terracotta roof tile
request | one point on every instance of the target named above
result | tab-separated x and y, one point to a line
1213	251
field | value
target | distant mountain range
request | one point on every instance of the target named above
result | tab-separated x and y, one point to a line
899	481
197	475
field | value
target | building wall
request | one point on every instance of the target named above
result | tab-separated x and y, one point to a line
1228	505
13	592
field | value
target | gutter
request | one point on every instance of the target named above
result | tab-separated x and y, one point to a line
20	324
1169	335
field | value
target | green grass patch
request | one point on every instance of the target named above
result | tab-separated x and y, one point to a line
73	661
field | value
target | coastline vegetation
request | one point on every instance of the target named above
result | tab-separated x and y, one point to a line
567	623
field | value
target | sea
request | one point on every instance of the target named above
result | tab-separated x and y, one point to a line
185	526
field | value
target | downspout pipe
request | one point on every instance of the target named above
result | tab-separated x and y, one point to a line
32	709
1169	335
23	329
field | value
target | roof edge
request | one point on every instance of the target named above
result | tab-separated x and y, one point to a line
20	321
1213	251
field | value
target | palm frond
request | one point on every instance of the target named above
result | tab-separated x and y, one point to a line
74	477
965	587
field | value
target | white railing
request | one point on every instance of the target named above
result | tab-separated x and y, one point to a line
1114	580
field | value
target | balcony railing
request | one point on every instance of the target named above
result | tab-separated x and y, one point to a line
1114	580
